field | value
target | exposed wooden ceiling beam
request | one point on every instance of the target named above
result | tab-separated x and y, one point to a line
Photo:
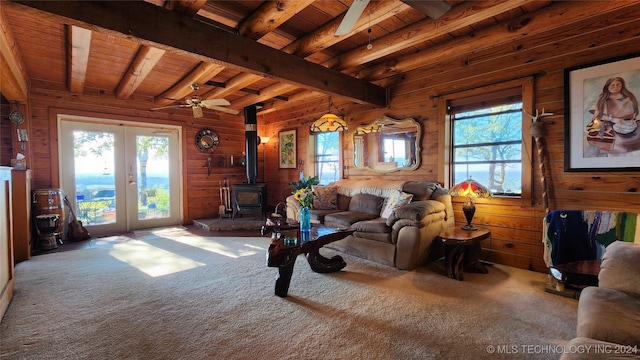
267	93
460	16
316	41
146	58
543	21
201	74
13	76
324	36
187	7
78	47
232	85
154	26
269	16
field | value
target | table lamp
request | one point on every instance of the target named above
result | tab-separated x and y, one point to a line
471	189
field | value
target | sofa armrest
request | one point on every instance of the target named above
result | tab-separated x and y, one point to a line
445	198
293	208
620	267
417	211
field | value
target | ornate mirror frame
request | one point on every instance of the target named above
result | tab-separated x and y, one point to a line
369	143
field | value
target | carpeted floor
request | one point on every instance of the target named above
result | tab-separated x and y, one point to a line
182	295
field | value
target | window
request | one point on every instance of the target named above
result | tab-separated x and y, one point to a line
327	156
487	144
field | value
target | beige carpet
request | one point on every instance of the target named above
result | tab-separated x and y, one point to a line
182	296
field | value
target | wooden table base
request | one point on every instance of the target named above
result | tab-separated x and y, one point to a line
462	251
283	256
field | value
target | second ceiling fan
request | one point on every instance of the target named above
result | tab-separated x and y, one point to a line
432	8
196	104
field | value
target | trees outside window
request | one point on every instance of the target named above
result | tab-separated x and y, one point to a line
327	159
487	140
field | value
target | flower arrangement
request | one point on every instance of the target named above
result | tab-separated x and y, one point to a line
303	191
305	196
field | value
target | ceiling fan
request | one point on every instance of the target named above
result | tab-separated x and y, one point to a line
432	8
196	104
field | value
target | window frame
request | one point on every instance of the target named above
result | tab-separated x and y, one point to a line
313	147
446	138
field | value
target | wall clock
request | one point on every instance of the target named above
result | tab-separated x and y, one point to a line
16	117
207	140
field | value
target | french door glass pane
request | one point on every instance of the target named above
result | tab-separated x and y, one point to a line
94	177
153	176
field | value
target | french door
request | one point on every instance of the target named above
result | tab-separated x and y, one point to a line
120	177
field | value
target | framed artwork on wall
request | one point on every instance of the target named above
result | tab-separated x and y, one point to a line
601	116
287	149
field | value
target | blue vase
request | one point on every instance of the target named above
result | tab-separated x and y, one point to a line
305	222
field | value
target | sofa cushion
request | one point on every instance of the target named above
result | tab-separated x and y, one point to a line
375	236
343	202
609	315
376	225
317	216
366	203
421	190
397	199
620	259
346	218
416	211
325	197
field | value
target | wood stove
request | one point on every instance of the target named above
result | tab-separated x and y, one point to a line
250	197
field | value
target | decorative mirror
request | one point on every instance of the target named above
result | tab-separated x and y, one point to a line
387	145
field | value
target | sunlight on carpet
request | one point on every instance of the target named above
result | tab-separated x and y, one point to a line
151	260
210	244
159	230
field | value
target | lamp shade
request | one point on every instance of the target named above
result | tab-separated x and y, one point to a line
470	188
329	123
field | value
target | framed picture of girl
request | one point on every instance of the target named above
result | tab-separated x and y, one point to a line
602	117
287	149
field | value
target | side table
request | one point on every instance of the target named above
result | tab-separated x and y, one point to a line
462	250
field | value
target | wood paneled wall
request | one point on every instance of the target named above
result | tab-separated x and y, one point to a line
516	226
200	196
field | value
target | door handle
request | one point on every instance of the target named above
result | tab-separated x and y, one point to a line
132	181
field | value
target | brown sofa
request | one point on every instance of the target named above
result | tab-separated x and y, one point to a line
404	236
609	314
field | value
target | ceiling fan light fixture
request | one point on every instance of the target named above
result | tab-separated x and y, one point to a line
197	111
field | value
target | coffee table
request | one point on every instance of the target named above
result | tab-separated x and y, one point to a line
284	250
462	250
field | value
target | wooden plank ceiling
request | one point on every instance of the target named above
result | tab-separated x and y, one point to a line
270	52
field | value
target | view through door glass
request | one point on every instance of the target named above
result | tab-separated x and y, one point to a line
118	177
95	182
153	188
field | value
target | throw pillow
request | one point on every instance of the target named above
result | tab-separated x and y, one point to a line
366	203
325	197
396	200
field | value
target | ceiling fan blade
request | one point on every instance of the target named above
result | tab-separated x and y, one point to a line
352	15
167	107
214	102
224	109
197	112
432	8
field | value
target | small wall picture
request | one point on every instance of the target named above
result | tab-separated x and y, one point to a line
287	149
602	117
